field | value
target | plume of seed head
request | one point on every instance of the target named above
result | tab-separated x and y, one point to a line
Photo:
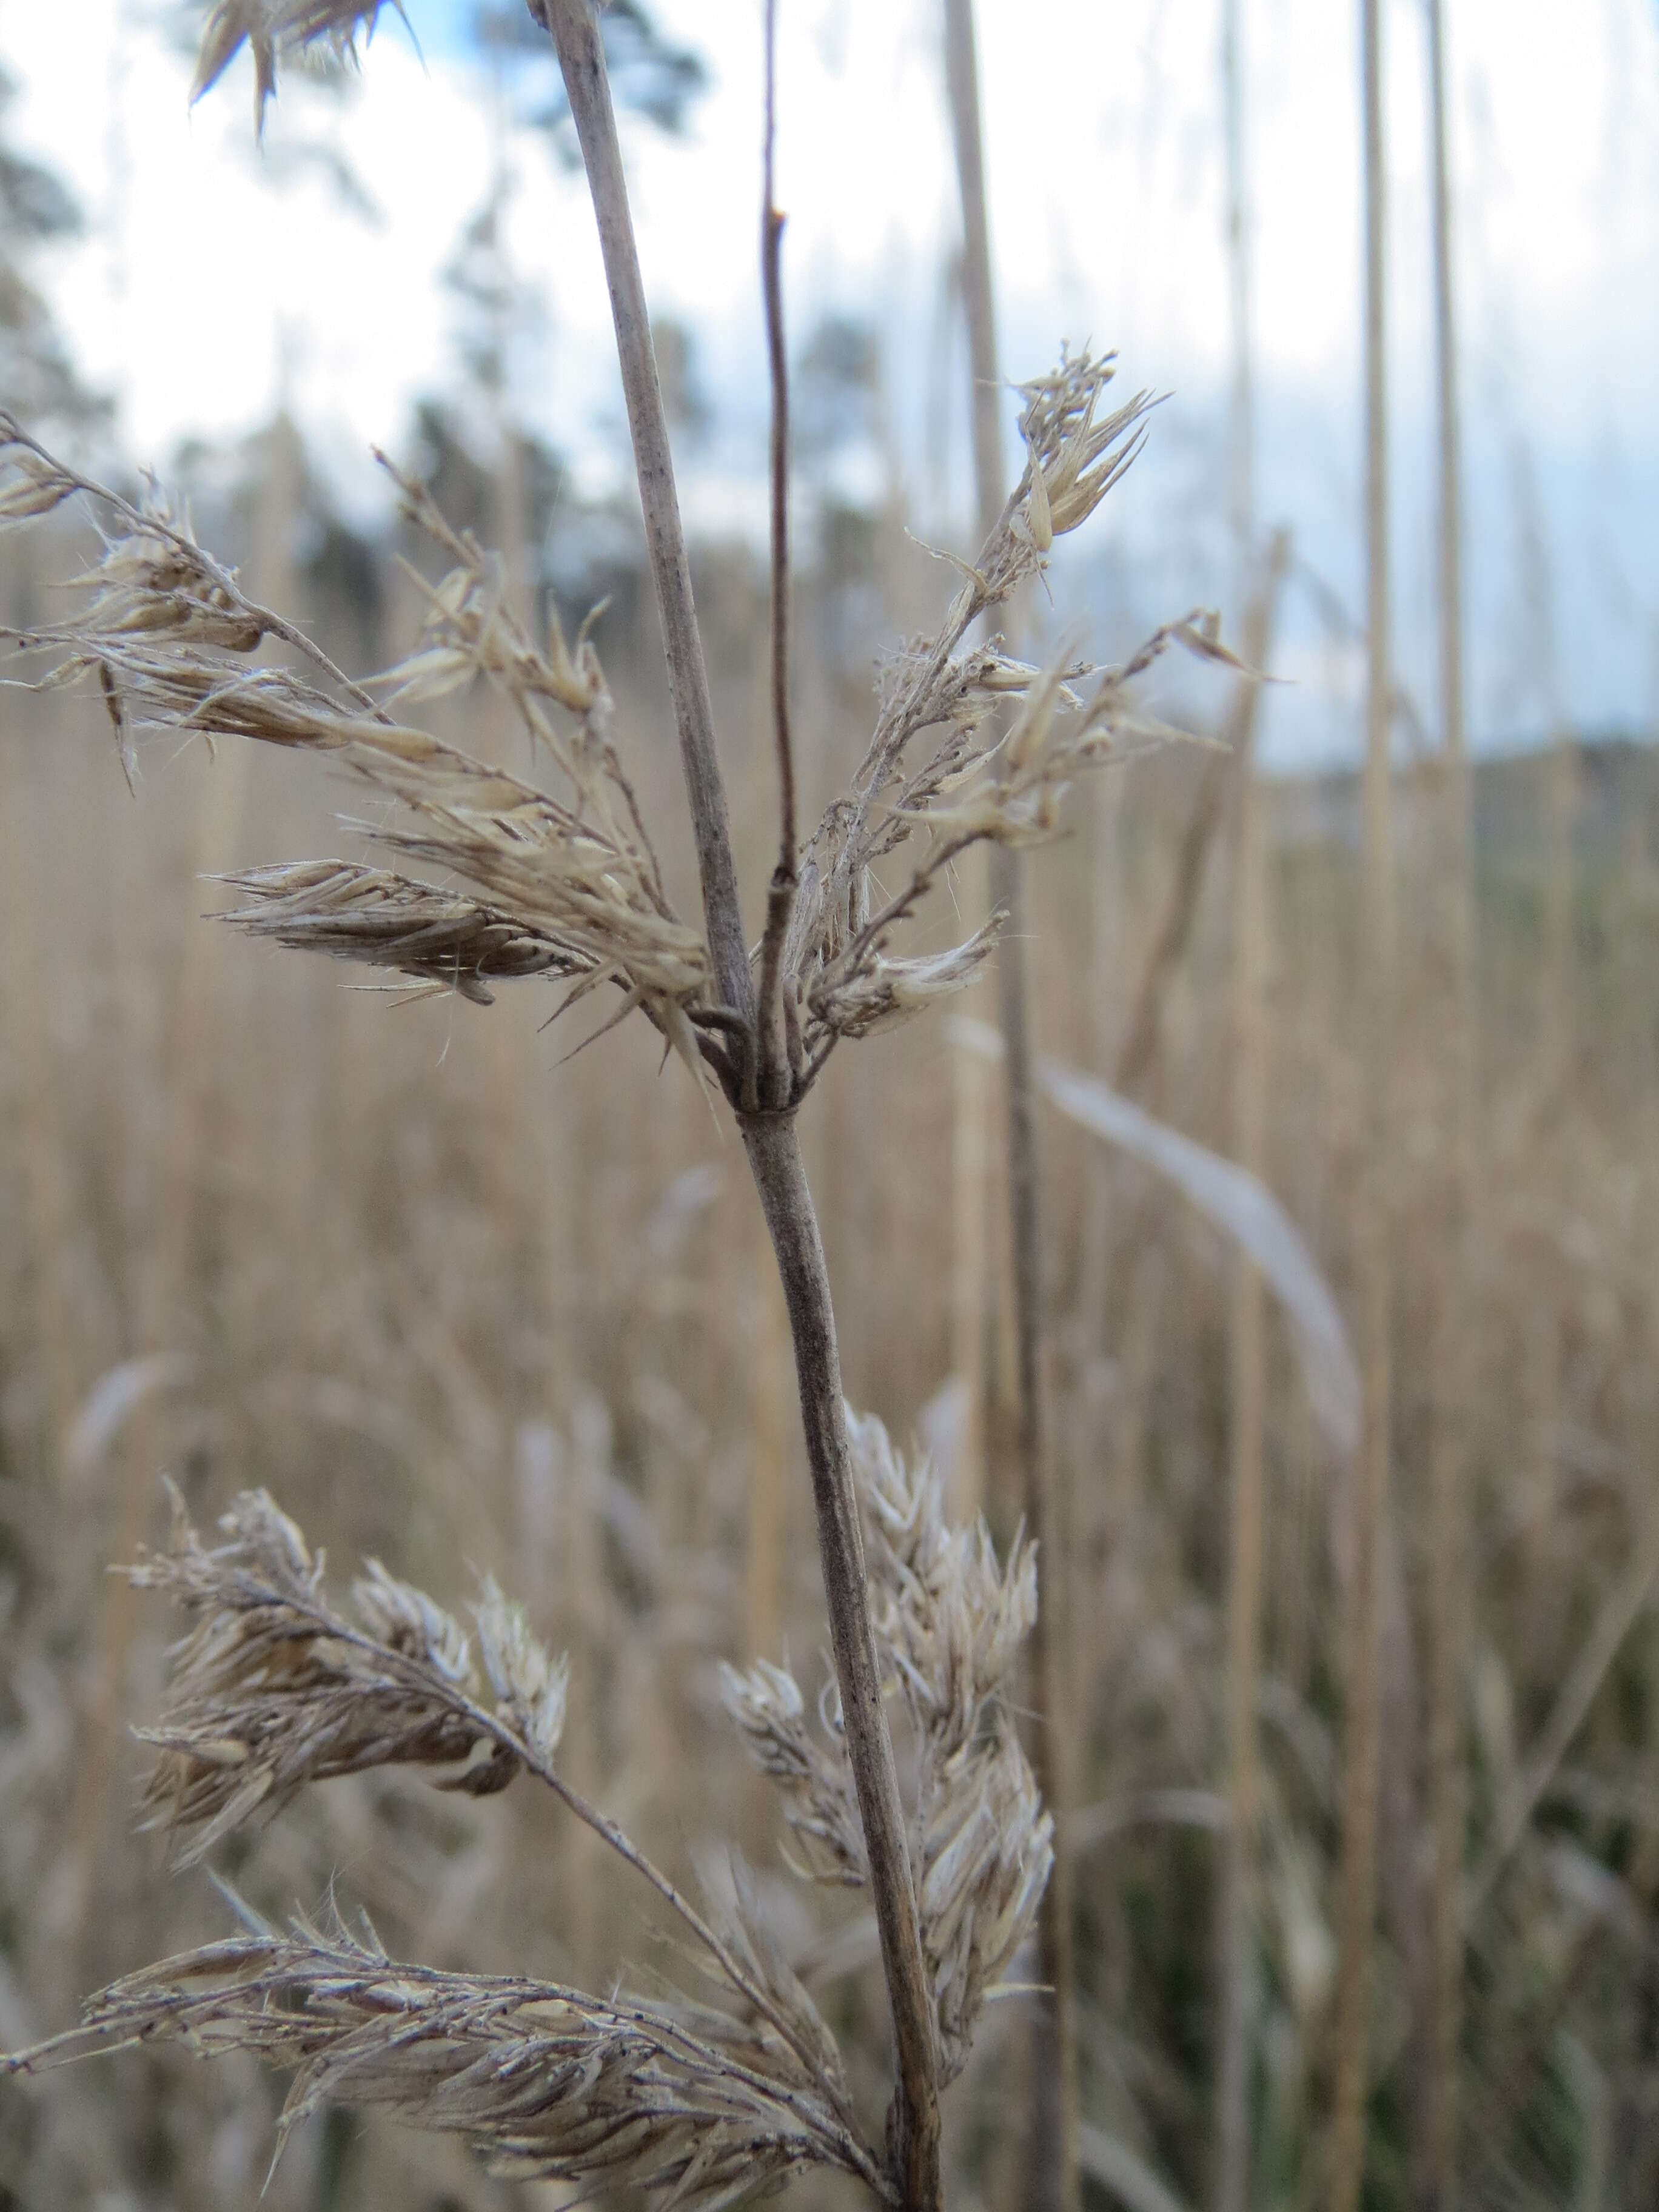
274	1687
949	1622
544	2081
280	29
980	779
809	1766
566	879
382	919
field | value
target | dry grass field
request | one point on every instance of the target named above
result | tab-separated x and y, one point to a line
488	1298
471	1308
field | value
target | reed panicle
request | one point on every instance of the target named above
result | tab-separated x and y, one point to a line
949	1623
281	29
544	2082
387	921
275	1687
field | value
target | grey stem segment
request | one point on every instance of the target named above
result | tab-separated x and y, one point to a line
773	1149
1457	1370
1052	2173
772	1146
1363	1722
581	58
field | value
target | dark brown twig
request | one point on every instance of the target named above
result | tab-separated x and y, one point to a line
776	1077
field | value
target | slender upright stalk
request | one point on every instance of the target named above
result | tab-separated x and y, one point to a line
774	1151
773	1054
1247	1348
1246	1422
22	995
1052	2171
1456	1392
1138	1054
768	1408
581	58
970	1115
164	1269
770	1139
1361	1728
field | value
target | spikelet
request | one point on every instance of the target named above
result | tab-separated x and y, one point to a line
566	879
949	1622
979	782
274	28
274	1687
382	919
544	2081
813	1777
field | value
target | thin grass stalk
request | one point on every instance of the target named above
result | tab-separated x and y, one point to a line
507	1056
161	1282
1456	1392
770	1140
162	1279
1052	2183
1615	1617
581	59
969	1115
1247	1429
1247	1409
1138	1054
1559	957
43	1167
770	1034
768	1402
1361	1730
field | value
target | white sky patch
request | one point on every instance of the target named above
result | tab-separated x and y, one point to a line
210	285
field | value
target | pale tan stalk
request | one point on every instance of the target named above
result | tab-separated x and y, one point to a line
161	1278
969	1141
1247	1350
507	1059
1051	2165
27	1025
1614	1618
1137	1055
1456	1378
1373	1257
1558	961
1248	1410
770	1140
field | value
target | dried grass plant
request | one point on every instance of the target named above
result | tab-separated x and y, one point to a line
555	874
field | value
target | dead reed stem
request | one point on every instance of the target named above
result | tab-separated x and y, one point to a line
771	1140
1247	1409
1138	1054
773	1149
581	59
768	1444
970	1084
772	1048
1455	1380
1247	1417
506	1058
1614	1621
48	1216
1362	1714
1052	2170
161	1282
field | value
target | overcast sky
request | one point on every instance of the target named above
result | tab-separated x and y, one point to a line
214	275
